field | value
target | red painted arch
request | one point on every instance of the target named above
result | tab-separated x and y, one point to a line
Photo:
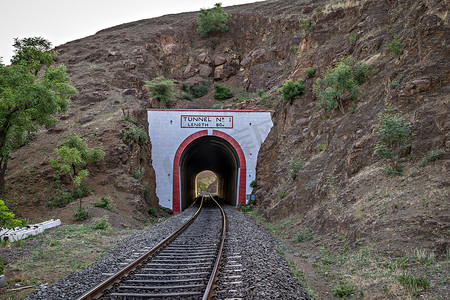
242	164
176	201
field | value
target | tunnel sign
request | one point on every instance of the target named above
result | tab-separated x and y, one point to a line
188	121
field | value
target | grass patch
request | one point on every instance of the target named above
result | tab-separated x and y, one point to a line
343	290
304	235
282	194
349	270
431	157
411	283
60	252
101	223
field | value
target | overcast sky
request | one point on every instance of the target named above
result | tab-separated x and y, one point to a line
61	21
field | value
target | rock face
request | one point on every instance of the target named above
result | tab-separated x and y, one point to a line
265	46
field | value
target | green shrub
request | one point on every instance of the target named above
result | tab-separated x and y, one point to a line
396	47
294	48
304	235
198	90
393	134
81	214
246	210
105	202
396	81
253	184
126	116
352	38
101	223
306	25
138	173
60	199
153	212
213	20
322	147
162	89
222	92
187	96
343	290
361	70
194	91
340	83
310	72
135	134
217	106
82	191
295	166
291	90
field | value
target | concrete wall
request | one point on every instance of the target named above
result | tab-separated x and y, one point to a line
169	128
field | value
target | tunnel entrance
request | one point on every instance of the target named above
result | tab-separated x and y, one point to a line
186	142
206	182
216	155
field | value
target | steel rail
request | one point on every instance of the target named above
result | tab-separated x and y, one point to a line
97	291
209	288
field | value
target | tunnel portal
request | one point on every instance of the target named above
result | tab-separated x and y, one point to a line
214	154
187	142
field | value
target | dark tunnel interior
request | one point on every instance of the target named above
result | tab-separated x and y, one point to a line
214	154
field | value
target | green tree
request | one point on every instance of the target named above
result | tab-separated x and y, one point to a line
73	155
393	134
162	89
28	101
34	53
340	83
7	219
213	20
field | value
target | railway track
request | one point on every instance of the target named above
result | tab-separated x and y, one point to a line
183	266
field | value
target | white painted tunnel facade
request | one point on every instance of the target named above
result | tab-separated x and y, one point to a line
176	135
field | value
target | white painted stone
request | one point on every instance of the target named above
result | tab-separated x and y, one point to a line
3	281
20	233
168	129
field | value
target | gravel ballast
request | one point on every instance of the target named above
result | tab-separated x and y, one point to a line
252	268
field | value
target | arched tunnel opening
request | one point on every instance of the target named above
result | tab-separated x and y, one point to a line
216	155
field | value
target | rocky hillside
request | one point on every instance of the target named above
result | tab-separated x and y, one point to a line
341	188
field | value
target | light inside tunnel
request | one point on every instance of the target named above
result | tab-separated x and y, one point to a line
206	182
216	155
